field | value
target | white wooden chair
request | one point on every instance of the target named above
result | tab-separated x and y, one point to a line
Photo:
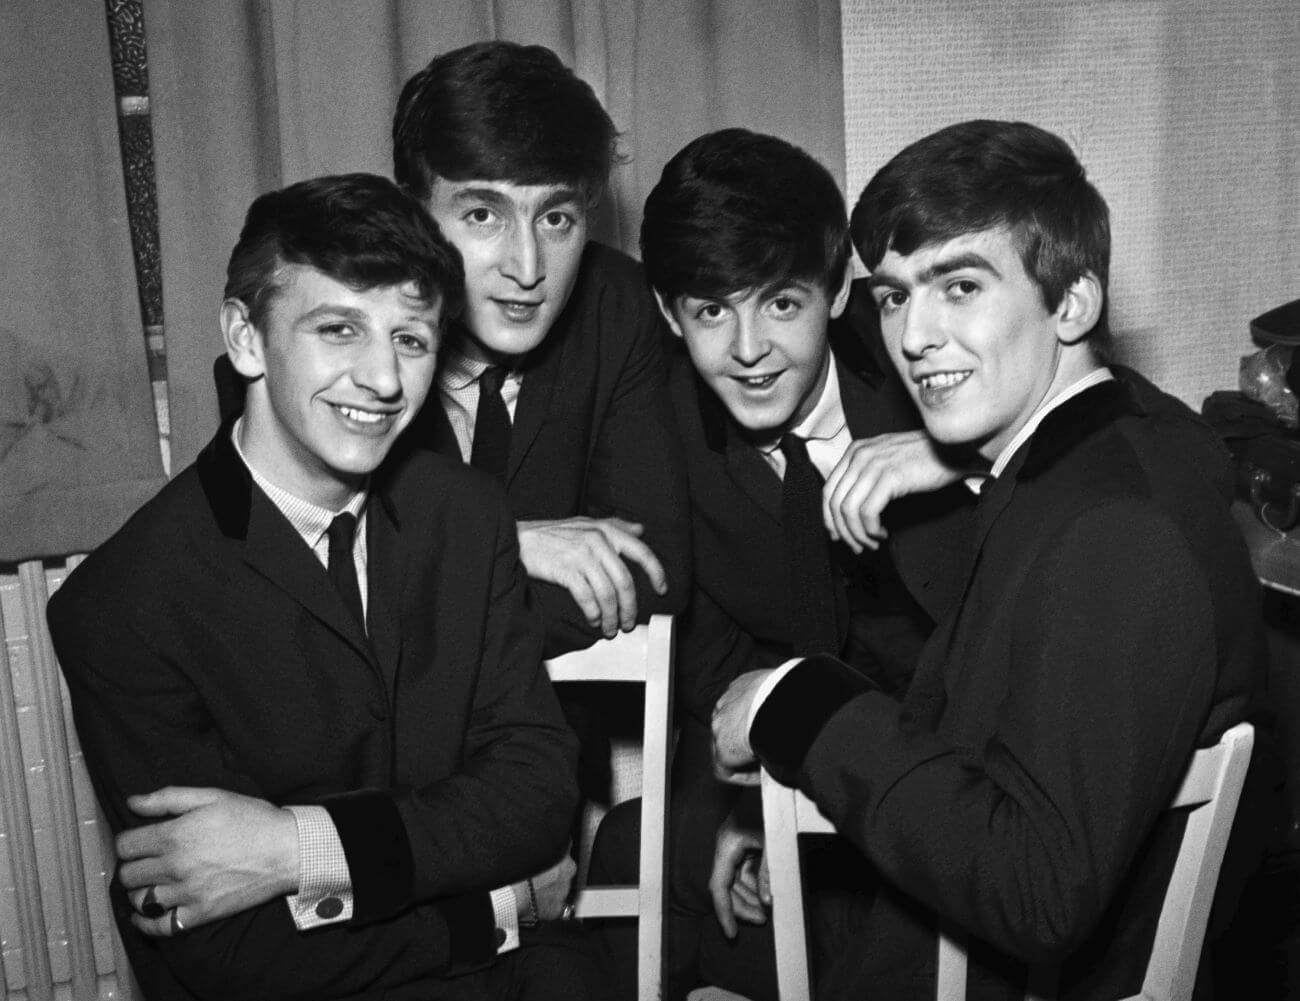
57	936
1211	789
644	656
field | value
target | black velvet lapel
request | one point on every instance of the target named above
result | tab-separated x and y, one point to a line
226	481
1076	419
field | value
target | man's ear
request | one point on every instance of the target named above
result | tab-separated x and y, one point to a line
841	299
1080	309
243	340
673	325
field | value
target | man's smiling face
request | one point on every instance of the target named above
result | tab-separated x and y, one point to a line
764	352
337	374
968	331
522	246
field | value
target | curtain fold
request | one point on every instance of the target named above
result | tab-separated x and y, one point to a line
250	96
78	445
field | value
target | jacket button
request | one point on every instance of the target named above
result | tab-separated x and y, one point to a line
330	907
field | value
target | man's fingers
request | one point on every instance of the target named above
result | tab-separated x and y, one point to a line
764	883
171	801
720	891
747	909
146	842
615	585
143	873
629	547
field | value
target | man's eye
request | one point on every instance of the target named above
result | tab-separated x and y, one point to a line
962	288
710	312
478	216
338	331
560	222
412	345
890	301
785	306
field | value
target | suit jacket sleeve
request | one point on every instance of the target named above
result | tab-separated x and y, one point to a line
636	470
1110	668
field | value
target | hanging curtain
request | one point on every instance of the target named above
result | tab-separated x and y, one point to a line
247	97
1183	112
78	445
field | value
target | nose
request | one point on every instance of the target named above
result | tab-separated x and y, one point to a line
922	330
749	343
377	369
523	262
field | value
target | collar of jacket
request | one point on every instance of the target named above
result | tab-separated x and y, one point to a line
1074	420
228	485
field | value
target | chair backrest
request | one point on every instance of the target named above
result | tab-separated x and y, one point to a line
644	656
1209	791
56	852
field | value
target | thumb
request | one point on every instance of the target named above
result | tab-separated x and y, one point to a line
170	801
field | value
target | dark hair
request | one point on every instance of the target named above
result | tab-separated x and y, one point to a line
360	229
739	210
499	111
981	175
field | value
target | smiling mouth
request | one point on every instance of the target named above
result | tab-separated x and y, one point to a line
935	389
943	380
371	418
757	381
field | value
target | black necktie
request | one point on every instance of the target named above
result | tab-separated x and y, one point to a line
342	567
807	553
491	425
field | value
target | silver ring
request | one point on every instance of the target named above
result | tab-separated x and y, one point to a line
177	927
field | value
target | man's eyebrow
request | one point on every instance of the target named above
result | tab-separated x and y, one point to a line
560	196
350	313
490	195
969	260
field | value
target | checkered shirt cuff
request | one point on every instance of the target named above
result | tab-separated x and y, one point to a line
324	881
505	911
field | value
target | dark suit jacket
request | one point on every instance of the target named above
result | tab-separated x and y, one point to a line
739	617
593	435
1108	625
204	645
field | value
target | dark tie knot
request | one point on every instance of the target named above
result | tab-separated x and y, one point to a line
341	533
492	379
795	449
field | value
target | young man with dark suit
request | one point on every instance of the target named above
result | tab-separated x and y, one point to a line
553	380
313	653
780	380
1107	623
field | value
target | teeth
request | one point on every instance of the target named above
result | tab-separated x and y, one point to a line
757	380
941	380
361	416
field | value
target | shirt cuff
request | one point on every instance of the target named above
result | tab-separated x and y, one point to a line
505	911
324	894
765	689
